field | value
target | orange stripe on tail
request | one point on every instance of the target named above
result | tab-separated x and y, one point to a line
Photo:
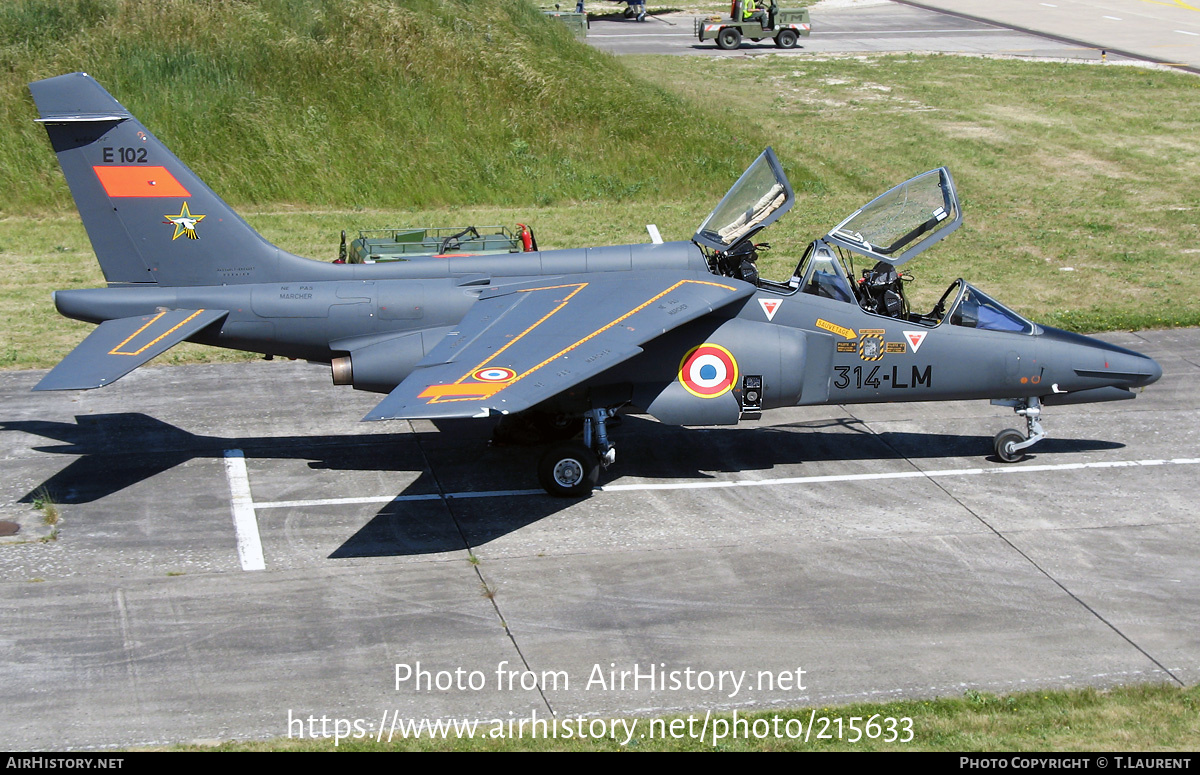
140	181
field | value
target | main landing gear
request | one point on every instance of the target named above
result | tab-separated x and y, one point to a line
1010	444
571	469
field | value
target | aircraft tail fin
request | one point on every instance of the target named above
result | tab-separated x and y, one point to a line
149	217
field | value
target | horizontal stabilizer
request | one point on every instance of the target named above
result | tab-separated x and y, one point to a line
117	347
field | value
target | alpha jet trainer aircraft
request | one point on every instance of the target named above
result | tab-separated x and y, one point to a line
556	341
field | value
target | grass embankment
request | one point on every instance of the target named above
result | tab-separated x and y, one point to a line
359	103
1134	718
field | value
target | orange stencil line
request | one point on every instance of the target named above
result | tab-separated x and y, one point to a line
117	350
578	287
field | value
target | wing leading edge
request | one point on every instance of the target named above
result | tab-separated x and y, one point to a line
523	344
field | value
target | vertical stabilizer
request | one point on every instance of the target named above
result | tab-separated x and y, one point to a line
149	217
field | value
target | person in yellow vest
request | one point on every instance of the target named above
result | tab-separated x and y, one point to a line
752	13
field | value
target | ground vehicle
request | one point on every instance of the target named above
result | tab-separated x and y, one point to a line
373	245
576	22
784	26
684	331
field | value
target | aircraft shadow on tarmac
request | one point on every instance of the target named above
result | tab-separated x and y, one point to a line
116	451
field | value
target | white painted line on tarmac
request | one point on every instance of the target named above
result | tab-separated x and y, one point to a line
870	33
1185	32
345	501
245	521
725	483
856	33
1017	469
433	496
643	35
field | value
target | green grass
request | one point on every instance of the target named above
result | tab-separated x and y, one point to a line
359	103
1135	718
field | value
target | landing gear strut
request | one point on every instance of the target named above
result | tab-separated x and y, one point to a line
1011	443
571	470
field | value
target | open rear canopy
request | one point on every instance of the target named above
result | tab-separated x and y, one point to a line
906	220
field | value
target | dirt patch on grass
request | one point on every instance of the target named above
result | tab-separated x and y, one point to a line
1080	165
975	131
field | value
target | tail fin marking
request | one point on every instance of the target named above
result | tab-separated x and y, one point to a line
139	181
134	195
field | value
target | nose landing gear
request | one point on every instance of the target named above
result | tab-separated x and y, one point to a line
1011	443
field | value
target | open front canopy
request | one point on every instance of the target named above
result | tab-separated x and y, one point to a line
759	197
906	220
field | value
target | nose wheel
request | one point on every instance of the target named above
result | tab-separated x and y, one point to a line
1010	444
1006	442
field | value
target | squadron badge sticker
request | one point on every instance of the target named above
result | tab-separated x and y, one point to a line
870	344
184	222
708	371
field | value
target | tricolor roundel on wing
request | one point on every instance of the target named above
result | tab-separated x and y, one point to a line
495	374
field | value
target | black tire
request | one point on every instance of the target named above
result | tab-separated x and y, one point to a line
1004	442
569	470
786	39
628	12
729	38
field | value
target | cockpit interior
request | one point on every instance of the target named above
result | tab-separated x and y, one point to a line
888	231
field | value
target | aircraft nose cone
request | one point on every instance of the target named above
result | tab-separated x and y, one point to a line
1122	368
1096	363
1153	371
1128	368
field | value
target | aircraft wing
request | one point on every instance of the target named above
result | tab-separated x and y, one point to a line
522	344
117	347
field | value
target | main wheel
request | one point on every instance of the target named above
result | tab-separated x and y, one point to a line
786	39
1004	444
569	470
729	38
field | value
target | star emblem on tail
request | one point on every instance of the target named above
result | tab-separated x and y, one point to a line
184	222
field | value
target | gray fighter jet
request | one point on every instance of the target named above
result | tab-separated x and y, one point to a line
556	343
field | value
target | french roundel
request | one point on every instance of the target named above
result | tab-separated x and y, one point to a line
708	371
494	374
